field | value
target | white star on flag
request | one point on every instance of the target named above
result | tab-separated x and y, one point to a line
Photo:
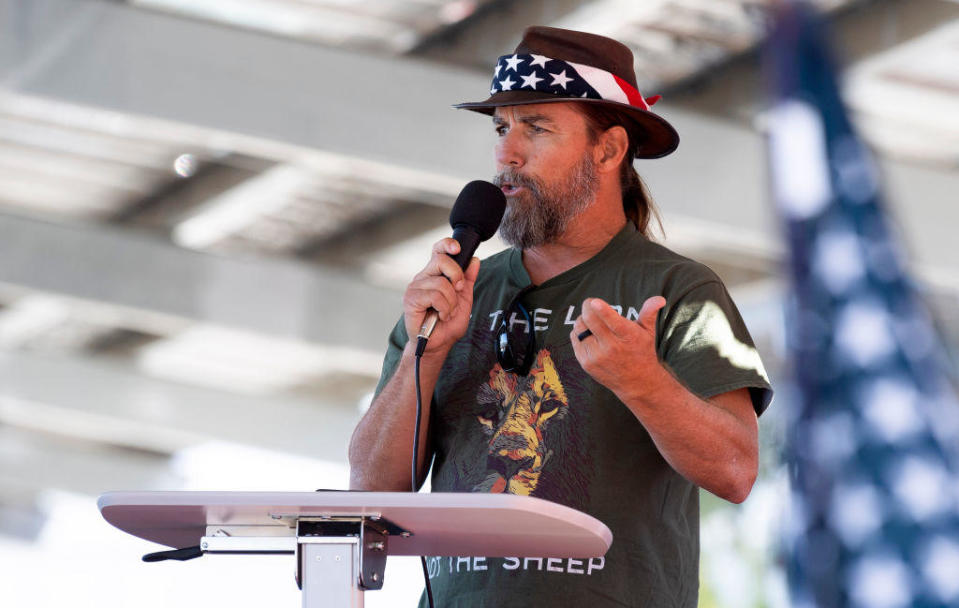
538	60
513	62
560	79
530	81
506	84
499	66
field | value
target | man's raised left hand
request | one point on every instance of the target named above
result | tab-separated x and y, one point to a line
620	354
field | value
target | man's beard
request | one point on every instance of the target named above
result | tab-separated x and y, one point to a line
541	212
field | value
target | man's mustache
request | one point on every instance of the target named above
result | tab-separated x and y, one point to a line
509	176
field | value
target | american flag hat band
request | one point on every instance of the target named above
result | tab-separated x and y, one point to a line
564	78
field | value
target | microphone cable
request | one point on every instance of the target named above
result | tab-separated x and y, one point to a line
420	347
474	218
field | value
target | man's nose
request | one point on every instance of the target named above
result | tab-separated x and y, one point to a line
509	150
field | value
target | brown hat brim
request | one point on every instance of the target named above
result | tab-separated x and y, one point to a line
655	136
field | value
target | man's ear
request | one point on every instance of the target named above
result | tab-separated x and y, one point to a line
611	148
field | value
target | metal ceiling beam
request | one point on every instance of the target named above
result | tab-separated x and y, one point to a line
352	248
133	270
32	461
100	402
491	31
181	195
393	111
735	88
116	57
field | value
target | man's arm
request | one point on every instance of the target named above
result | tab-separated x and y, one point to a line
381	449
711	442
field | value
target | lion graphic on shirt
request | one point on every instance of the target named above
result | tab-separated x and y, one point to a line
516	415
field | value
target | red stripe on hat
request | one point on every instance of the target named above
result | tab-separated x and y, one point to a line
635	99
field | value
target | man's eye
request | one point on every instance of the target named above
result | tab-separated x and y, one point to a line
500	130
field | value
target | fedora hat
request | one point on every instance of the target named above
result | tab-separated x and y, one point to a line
553	65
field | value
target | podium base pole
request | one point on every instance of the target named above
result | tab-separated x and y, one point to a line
329	570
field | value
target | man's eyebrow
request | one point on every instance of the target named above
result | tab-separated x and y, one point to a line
530	119
536	118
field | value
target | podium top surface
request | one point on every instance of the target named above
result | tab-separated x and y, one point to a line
490	525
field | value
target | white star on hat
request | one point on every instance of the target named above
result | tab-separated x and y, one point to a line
539	60
560	79
513	62
506	84
530	81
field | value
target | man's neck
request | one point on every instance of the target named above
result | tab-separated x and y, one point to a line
581	241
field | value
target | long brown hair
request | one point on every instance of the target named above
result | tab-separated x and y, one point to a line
637	202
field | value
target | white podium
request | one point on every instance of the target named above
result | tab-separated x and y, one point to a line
341	539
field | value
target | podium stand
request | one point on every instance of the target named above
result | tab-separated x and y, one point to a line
341	539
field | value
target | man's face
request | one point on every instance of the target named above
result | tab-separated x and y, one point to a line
545	168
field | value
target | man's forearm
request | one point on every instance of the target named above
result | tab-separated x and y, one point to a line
381	448
713	443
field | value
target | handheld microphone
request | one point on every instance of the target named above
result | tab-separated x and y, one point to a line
476	215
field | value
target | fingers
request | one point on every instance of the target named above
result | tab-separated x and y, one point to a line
579	332
595	344
448	245
600	318
444	287
615	341
580	348
441	264
432	292
603	321
649	312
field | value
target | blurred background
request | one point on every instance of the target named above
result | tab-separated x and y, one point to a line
209	210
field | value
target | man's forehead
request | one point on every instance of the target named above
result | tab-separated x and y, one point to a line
554	112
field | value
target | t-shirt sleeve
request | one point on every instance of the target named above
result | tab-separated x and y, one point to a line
705	343
394	352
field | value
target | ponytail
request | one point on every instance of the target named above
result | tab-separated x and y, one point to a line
637	203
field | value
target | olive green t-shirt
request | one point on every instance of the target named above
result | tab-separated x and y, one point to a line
558	435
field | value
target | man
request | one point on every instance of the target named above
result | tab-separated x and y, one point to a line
587	365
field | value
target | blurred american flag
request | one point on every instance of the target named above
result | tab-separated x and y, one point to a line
872	447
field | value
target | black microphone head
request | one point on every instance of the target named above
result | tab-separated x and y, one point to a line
480	205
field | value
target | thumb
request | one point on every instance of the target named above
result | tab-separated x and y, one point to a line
649	311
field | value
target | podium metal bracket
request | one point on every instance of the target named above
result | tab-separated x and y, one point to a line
340	556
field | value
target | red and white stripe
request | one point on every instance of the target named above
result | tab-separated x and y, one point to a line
610	86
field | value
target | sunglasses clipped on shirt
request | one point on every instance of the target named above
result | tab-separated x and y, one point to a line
515	341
